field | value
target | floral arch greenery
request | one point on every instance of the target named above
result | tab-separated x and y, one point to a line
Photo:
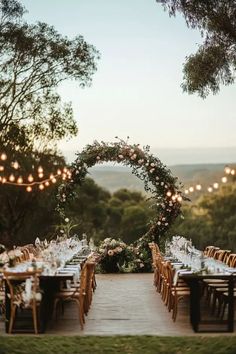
163	188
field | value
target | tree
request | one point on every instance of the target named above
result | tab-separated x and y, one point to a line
211	221
215	61
34	60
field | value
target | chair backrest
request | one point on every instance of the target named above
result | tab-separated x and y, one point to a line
231	260
16	282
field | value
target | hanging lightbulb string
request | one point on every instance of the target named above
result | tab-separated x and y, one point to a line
65	173
198	187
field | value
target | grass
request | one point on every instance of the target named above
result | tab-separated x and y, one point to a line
117	344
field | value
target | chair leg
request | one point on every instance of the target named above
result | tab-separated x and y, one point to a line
12	318
81	314
34	310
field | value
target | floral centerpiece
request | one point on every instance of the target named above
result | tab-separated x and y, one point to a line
115	255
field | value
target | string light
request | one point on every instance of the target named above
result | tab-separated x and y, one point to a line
19	180
227	170
30	178
210	189
29	189
40	169
12	178
15	165
3	156
168	194
224	179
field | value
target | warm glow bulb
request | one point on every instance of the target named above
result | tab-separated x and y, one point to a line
232	172
51	176
210	189
168	194
29	189
216	185
30	178
198	187
4	180
65	169
15	165
227	170
1	168
40	174
186	191
40	169
54	180
3	156
41	187
191	189
47	183
19	180
59	172
224	179
179	198
12	178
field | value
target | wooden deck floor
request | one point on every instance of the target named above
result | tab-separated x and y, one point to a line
125	304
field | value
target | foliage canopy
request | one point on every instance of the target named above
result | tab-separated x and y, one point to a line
215	61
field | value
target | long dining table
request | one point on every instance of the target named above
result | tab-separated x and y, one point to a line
49	284
195	281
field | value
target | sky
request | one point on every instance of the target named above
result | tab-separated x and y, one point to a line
136	90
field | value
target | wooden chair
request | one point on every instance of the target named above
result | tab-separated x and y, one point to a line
89	285
15	283
76	293
231	260
175	292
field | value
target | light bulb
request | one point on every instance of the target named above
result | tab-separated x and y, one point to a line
47	183
40	169
227	170
3	156
191	189
41	187
15	165
179	198
51	176
168	194
54	180
216	185
186	191
40	174
1	168
59	172
198	187
224	179
4	180
29	189
12	178
30	178
19	180
232	172
210	189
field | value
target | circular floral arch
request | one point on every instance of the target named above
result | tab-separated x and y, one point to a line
157	178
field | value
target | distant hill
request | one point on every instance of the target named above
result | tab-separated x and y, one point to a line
115	177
